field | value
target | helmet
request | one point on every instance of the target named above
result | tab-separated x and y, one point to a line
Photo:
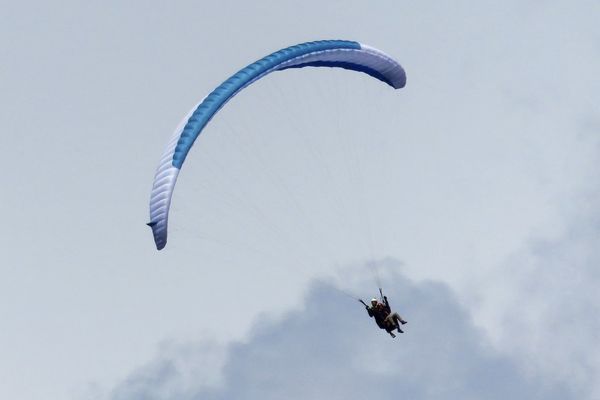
373	301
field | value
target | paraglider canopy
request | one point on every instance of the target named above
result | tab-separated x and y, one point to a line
325	53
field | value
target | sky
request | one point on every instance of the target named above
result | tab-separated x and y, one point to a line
471	195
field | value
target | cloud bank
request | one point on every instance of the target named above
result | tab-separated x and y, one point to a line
331	349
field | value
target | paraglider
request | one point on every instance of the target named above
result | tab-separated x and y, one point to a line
381	311
344	54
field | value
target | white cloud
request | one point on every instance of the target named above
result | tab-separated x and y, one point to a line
546	298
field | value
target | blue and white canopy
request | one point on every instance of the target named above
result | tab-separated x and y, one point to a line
325	53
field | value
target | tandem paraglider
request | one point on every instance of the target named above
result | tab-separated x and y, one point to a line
381	311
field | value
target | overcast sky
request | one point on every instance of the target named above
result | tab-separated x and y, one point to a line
474	190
